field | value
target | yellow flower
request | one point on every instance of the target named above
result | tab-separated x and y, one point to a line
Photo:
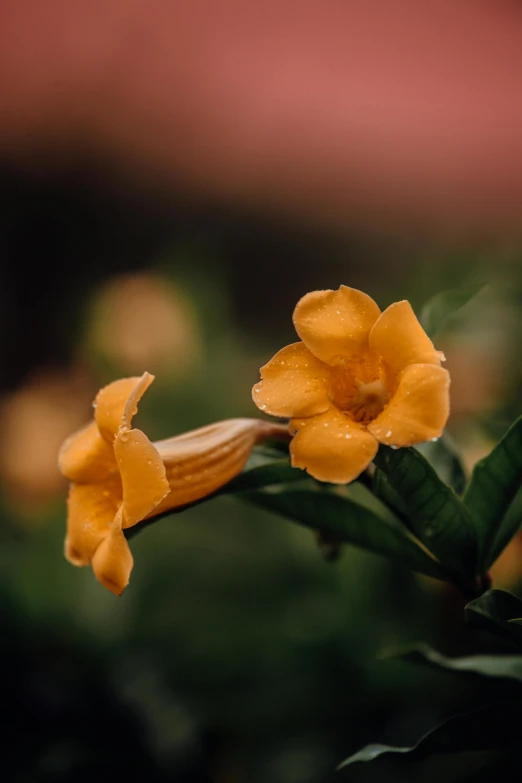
358	378
120	478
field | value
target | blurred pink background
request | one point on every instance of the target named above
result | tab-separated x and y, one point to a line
393	114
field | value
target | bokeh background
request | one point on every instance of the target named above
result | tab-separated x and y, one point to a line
173	178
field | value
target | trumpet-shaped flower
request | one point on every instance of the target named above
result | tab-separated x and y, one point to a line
119	477
358	378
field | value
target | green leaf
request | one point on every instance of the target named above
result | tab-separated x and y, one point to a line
493	486
509	527
383	489
440	308
497	612
444	457
492	727
437	517
503	666
350	522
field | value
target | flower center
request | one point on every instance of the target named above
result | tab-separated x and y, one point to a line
360	387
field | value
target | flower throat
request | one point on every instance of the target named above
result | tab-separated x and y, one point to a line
360	387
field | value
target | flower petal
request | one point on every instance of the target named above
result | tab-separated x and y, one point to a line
91	511
331	447
112	562
200	462
400	339
293	383
142	475
86	457
335	324
419	409
117	403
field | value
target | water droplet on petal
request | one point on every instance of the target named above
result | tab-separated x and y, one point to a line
388	433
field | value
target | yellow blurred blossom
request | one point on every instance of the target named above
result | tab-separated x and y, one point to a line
34	420
119	477
358	378
142	320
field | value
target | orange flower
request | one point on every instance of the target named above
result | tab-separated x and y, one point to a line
358	378
120	478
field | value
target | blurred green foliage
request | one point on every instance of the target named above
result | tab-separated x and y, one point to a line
237	653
